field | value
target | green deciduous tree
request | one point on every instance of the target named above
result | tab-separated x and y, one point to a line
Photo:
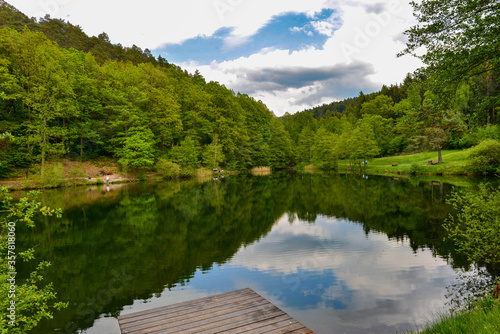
48	93
381	105
167	168
280	147
187	153
460	37
362	143
139	149
325	149
305	145
212	155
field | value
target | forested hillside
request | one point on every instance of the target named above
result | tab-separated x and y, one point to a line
82	98
66	95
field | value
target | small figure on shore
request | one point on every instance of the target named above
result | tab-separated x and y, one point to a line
89	177
107	179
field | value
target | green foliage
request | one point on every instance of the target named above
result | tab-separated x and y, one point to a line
362	144
32	303
141	176
414	168
84	98
167	168
306	143
324	151
478	134
280	147
212	155
382	105
485	157
187	154
53	176
483	318
475	228
460	37
138	151
65	103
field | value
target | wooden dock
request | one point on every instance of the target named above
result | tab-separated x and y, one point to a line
240	311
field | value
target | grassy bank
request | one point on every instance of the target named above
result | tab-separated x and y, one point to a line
454	163
484	318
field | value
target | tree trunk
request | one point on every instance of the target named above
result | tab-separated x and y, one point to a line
440	155
215	154
44	145
81	147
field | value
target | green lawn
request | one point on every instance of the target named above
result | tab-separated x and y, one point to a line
485	318
454	163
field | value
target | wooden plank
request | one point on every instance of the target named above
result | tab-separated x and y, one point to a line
195	309
286	322
256	326
241	324
240	317
240	311
194	302
197	316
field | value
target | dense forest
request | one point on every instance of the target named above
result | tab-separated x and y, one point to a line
65	95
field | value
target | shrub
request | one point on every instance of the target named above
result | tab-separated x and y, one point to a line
34	298
142	176
53	176
475	228
167	168
485	157
476	135
75	175
414	168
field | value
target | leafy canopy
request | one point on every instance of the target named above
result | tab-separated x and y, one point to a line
475	228
460	37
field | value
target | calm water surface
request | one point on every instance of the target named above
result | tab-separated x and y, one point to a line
341	254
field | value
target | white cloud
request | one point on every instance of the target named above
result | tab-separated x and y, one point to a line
382	279
151	23
360	32
369	34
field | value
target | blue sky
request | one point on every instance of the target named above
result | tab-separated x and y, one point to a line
290	54
290	31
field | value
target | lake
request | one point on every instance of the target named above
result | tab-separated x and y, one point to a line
340	253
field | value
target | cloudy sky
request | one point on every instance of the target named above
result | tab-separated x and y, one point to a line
291	54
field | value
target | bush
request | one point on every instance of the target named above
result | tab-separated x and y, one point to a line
476	135
53	176
142	176
415	168
167	168
485	158
34	298
475	228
